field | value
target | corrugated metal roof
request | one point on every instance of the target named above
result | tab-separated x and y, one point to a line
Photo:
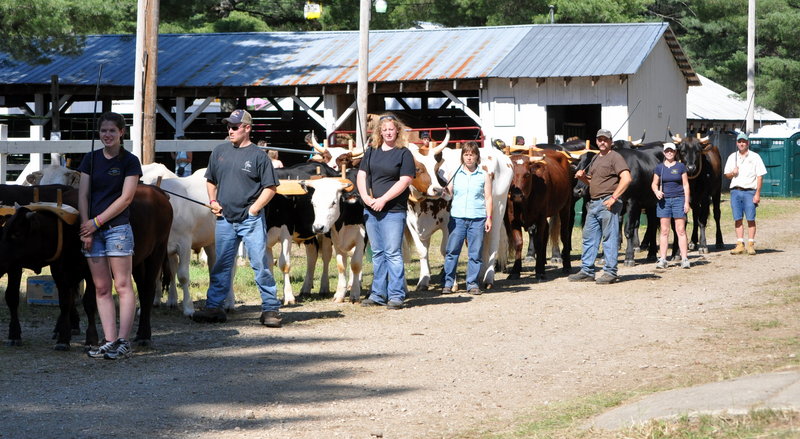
713	101
581	50
317	58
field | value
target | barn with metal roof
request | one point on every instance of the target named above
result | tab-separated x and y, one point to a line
547	82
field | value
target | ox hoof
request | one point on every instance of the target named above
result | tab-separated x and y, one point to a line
289	302
422	288
703	250
637	249
630	263
556	261
12	343
61	347
488	286
513	276
338	300
692	246
144	343
529	259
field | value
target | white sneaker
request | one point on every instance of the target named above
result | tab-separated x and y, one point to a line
122	350
102	350
661	264
685	263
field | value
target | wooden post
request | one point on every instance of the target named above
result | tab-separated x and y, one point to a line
150	82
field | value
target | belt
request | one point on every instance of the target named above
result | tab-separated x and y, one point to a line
739	188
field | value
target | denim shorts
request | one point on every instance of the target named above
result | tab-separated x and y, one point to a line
742	204
671	207
114	241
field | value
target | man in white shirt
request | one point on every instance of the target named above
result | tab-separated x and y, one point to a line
746	171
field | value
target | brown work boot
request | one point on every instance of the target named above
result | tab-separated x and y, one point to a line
739	248
751	248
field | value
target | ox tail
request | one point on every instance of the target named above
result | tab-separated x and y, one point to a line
166	275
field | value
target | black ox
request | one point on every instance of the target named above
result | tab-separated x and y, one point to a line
704	169
29	239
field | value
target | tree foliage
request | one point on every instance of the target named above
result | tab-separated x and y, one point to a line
33	30
712	32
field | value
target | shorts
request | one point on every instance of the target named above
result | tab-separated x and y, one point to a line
671	207
742	204
113	241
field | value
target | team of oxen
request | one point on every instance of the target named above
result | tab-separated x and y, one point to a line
319	208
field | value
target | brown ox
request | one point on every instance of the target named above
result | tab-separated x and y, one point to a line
542	188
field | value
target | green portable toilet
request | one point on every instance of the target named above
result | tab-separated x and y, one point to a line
780	151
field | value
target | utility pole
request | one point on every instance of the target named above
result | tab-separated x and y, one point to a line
150	82
363	72
751	64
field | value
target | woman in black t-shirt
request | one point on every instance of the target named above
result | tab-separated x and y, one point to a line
108	183
383	178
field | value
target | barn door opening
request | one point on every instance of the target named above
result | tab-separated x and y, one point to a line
567	121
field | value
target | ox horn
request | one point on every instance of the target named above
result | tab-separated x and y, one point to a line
315	144
439	148
704	139
640	141
358	151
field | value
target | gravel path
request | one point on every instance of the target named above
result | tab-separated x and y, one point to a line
442	366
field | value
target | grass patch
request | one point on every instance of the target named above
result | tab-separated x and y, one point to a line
760	324
756	424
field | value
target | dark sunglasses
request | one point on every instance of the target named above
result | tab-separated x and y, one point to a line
235	127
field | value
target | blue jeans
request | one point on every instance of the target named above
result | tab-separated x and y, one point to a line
385	233
602	225
228	236
742	204
471	229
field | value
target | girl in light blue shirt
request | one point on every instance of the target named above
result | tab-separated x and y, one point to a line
470	217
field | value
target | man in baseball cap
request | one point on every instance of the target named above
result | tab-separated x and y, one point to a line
608	177
746	171
240	181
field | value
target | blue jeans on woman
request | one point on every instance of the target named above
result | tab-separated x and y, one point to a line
385	233
471	229
602	225
253	231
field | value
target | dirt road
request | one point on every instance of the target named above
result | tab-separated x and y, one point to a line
444	365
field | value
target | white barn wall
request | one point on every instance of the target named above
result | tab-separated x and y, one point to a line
531	101
662	88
